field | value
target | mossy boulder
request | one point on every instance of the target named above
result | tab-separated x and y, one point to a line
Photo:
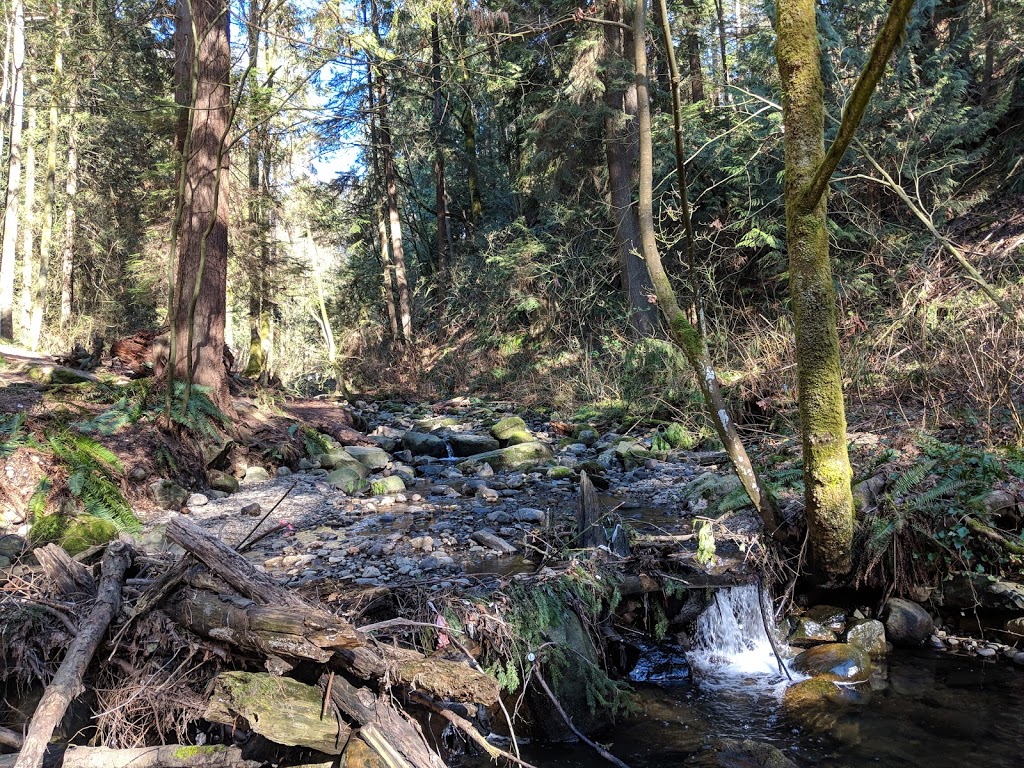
808	632
586	435
382	486
220	481
424	444
828	616
561	473
464	445
371	458
521	456
169	495
86	532
810	697
507	426
347	479
747	753
835	661
868	635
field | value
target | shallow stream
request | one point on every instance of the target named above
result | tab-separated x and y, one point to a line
919	709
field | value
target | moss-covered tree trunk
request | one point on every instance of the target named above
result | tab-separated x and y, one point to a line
683	333
827	471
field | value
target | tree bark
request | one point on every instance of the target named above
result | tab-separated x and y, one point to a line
621	153
827	472
720	13
28	257
683	333
67	683
440	203
201	277
67	285
692	49
10	239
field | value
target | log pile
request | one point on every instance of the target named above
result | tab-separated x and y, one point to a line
292	679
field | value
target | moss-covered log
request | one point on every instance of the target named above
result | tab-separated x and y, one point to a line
278	708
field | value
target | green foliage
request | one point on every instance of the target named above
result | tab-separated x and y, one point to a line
128	409
92	477
12	433
200	416
705	543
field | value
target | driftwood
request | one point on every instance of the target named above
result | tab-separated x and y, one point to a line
11	738
70	577
397	740
278	708
168	756
67	683
589	530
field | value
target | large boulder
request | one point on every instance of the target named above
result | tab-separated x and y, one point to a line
835	661
424	444
371	458
339	459
507	427
382	486
907	624
521	456
868	635
809	632
828	616
347	479
170	495
747	753
978	590
464	444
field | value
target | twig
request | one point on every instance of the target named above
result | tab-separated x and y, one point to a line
568	721
265	516
327	695
469	729
768	630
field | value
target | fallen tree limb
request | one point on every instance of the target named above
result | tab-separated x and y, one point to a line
279	708
169	756
11	738
67	683
69	577
993	535
470	730
568	720
381	725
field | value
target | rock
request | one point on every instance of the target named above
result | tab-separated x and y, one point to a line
282	472
222	481
371	572
866	493
464	444
371	458
347	479
197	500
747	753
86	532
168	495
809	697
423	444
868	635
255	475
12	546
307	464
907	624
382	486
808	632
835	661
968	591
528	515
829	616
1018	658
489	495
138	474
521	456
588	437
425	543
251	510
488	539
507	427
560	473
986	653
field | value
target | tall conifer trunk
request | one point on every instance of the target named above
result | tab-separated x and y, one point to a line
10	240
67	285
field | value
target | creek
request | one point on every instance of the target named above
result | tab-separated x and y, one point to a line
919	708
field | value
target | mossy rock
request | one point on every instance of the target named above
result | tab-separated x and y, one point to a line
372	458
518	438
829	616
47	529
561	473
811	697
347	479
586	434
521	456
809	632
383	486
747	753
680	437
835	661
221	481
869	635
507	427
86	532
424	444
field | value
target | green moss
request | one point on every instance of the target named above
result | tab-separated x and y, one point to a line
86	532
188	753
47	529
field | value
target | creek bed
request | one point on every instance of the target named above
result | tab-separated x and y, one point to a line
921	710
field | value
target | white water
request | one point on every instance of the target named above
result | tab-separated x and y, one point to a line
732	647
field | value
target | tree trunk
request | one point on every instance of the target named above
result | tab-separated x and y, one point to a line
387	151
39	284
67	285
467	120
5	83
10	241
720	13
683	333
28	258
827	471
440	204
201	278
621	154
692	49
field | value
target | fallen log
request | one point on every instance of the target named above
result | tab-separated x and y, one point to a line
381	726
67	683
11	738
589	529
278	708
69	577
167	756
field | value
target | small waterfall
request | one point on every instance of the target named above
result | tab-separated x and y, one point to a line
731	640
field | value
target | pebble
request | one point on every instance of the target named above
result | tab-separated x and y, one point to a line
252	510
986	653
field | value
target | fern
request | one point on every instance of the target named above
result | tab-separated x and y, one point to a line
201	416
12	434
92	477
907	480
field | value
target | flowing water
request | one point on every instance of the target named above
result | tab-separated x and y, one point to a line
920	710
